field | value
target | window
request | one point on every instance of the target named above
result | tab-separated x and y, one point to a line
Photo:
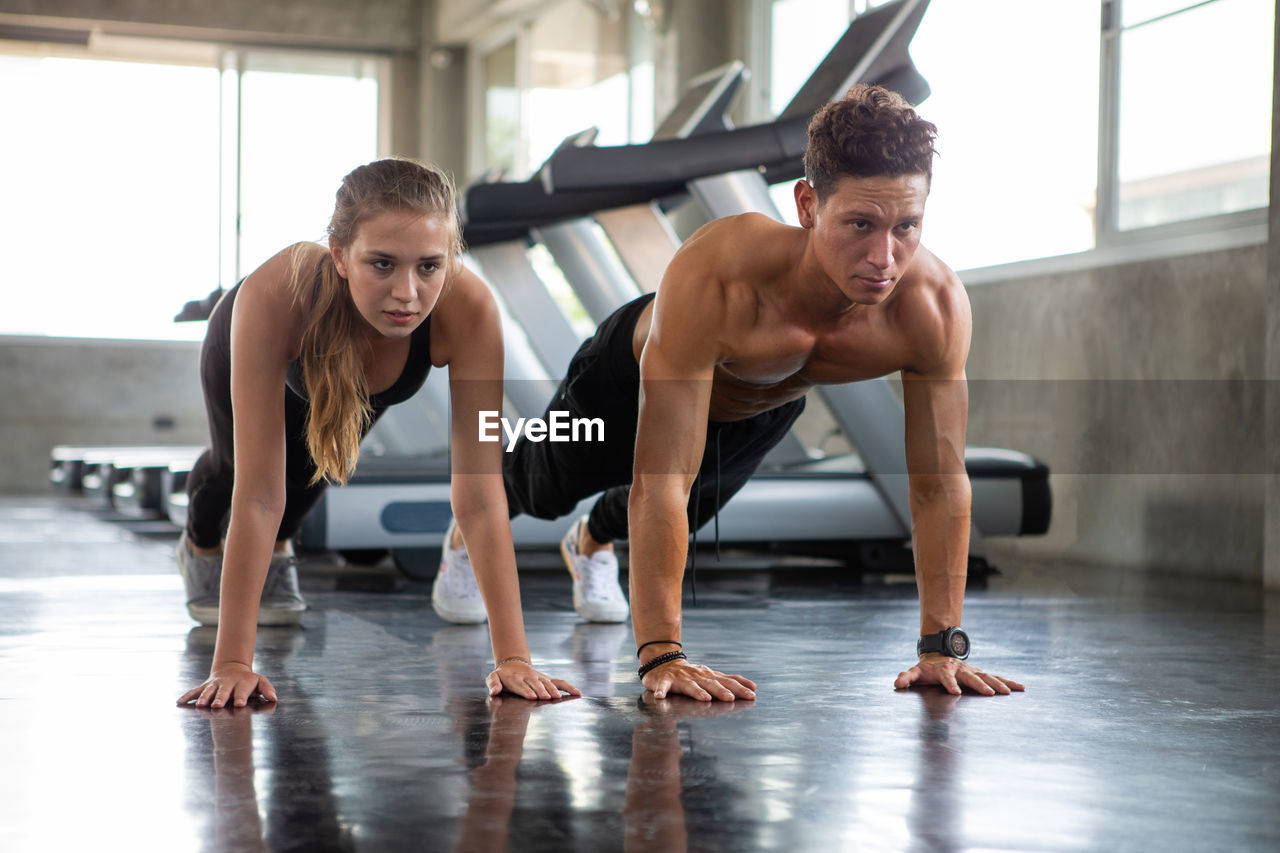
1193	120
134	186
1015	98
570	69
111	195
1057	135
304	123
501	109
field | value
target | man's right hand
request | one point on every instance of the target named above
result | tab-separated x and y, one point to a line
697	682
229	684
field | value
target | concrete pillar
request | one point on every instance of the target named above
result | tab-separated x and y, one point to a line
696	37
441	114
1271	534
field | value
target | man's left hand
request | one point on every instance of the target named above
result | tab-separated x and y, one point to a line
953	675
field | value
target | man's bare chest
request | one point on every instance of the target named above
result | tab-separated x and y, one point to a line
795	359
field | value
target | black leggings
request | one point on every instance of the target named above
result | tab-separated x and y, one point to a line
211	480
547	480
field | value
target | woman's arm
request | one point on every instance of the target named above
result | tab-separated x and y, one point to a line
467	336
265	330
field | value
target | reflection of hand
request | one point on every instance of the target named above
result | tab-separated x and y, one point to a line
520	678
954	674
231	682
510	709
682	707
697	681
237	825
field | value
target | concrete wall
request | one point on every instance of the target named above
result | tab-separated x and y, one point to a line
1140	386
1271	308
76	391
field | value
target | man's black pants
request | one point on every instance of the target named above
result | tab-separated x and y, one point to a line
547	479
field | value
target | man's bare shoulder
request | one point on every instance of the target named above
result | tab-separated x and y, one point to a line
733	259
931	308
744	234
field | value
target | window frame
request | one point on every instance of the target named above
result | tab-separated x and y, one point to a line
226	59
1111	244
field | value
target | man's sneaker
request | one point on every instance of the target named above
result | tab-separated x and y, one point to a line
281	602
201	576
455	596
596	594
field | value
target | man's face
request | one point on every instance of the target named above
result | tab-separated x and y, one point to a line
866	231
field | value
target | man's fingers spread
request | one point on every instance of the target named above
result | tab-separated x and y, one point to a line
698	693
949	682
718	690
979	684
996	684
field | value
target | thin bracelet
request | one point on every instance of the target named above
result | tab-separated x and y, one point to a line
654	643
665	657
499	664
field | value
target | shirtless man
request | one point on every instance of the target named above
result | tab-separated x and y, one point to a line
750	314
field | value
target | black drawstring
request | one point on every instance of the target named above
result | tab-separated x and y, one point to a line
697	517
693	549
717	496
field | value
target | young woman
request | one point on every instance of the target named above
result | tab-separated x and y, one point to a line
298	362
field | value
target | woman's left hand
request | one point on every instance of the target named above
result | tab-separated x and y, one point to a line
520	678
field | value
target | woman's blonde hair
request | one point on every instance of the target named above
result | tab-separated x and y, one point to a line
331	353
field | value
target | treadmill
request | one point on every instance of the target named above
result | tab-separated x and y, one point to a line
859	497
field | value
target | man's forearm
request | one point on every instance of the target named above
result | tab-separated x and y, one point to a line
659	535
940	540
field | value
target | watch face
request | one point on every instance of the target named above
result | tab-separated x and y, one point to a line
959	645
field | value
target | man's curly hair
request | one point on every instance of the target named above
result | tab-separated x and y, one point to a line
870	132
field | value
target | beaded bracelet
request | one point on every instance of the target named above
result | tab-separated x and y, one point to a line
499	664
656	643
665	657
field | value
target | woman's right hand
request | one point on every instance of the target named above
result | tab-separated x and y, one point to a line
231	683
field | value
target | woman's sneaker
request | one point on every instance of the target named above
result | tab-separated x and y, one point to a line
596	594
281	602
455	595
202	576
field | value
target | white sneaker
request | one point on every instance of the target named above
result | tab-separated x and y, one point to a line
596	594
455	596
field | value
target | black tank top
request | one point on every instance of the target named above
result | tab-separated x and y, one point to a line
416	366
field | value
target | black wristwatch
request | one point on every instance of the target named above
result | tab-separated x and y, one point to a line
951	642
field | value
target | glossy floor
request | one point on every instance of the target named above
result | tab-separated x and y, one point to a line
1150	721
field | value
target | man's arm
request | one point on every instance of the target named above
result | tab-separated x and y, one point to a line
676	371
936	404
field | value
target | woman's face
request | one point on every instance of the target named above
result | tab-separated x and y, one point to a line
395	268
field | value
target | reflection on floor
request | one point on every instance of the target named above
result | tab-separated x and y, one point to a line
1150	719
